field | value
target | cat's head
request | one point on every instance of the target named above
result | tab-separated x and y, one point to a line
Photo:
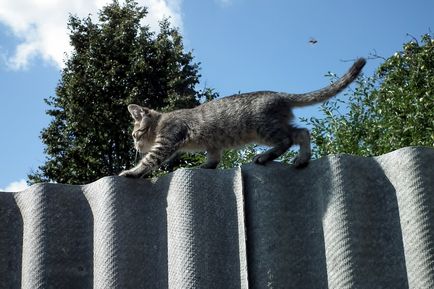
145	120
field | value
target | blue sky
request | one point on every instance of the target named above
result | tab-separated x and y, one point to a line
243	45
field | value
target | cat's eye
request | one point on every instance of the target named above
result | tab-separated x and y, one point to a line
138	133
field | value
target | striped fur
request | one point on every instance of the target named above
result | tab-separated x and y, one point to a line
261	117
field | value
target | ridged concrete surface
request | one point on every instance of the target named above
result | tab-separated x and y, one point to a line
343	222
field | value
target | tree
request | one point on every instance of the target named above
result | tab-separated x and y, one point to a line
115	61
393	108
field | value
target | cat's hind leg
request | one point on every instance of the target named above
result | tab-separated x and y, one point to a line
277	136
301	137
273	153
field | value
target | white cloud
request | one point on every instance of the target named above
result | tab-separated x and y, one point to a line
159	9
40	25
15	186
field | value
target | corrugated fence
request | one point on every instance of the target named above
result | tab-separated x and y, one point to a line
343	222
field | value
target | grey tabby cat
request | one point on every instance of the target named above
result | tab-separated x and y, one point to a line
261	117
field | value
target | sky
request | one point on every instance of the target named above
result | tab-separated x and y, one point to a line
242	45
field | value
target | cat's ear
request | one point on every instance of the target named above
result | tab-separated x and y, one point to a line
137	111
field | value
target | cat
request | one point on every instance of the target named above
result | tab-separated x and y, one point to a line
261	117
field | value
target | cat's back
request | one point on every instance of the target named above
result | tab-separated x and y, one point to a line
237	103
228	112
240	109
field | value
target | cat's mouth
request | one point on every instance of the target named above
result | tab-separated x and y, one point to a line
141	148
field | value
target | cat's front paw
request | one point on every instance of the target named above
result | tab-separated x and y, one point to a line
133	173
128	174
138	171
209	165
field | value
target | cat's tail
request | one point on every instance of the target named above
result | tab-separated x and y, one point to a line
325	93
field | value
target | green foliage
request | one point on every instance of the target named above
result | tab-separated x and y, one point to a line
233	158
115	62
392	109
